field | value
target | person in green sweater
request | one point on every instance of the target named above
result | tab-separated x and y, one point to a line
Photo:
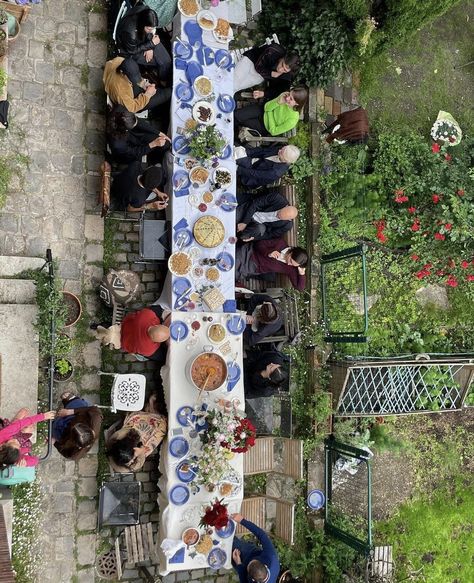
275	117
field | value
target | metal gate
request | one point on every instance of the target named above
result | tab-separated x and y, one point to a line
348	513
397	386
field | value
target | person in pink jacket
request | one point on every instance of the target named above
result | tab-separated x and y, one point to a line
15	444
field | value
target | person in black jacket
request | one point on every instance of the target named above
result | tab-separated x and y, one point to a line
263	319
263	165
263	217
137	38
130	137
271	63
137	190
265	374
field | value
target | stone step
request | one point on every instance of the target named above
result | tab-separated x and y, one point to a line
18	359
12	265
17	291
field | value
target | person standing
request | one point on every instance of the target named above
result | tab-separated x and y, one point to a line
254	564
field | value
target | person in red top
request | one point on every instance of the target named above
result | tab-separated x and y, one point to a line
15	444
271	256
143	332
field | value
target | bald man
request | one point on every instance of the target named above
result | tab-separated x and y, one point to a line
264	217
144	333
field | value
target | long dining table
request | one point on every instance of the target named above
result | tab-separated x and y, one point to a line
194	309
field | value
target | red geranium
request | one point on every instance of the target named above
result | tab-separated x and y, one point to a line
416	225
401	198
435	148
216	515
448	226
439	237
452	281
447	157
470	278
464	264
460	192
422	273
415	257
412	209
435	198
381	237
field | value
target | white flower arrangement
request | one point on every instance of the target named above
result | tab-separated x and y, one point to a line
444	131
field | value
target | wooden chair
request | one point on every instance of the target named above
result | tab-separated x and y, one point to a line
261	458
254	508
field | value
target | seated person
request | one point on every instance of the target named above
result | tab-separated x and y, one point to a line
271	256
141	433
138	190
130	137
76	427
137	38
275	117
263	217
351	127
267	63
144	332
264	374
15	438
263	165
263	318
134	95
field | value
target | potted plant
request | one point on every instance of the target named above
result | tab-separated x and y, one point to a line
74	308
3	32
63	370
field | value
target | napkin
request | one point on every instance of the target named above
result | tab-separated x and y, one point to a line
171	547
181	224
229	306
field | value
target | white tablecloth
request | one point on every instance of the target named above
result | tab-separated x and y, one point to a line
180	392
180	207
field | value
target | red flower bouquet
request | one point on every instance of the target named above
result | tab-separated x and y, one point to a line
244	436
215	515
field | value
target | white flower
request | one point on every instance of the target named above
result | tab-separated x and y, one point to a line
243	435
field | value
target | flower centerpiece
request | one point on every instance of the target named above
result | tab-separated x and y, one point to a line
228	430
205	141
215	515
212	465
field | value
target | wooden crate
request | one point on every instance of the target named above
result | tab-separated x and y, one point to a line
19	12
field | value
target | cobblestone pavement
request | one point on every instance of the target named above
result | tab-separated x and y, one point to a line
57	103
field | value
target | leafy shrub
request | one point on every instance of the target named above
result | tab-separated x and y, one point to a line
303	167
353	10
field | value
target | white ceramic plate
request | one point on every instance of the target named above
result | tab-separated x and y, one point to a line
223	39
196	112
209	18
222	169
197	82
189	14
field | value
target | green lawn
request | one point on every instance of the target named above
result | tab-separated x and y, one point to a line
408	85
435	537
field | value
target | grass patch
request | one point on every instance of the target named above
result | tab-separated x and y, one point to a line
434	538
408	85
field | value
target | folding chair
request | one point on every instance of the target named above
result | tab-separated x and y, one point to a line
254	508
261	458
128	392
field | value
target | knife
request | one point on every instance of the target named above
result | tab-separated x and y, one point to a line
182	298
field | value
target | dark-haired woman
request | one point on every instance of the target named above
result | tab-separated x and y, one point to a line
263	319
137	38
271	63
15	443
271	256
76	427
264	375
130	138
140	435
275	117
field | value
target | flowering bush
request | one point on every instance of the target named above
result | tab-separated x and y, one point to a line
215	515
228	430
206	142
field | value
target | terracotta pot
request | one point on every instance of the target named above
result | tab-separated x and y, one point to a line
58	377
74	307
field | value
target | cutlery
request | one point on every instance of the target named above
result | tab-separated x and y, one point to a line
183	295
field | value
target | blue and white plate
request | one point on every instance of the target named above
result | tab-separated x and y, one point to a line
216	558
178	330
222	59
178	446
225	261
180	179
227	530
185	416
185	476
225	199
236	324
182	49
181	146
180	285
183	238
184	92
179	494
316	499
226	153
226	103
233	372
